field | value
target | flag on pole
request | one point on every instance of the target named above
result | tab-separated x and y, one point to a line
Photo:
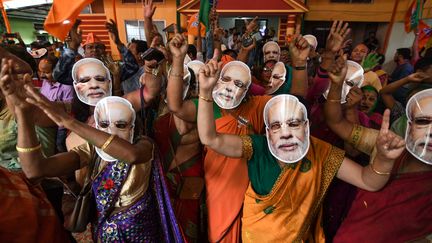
62	16
204	13
425	33
193	26
412	16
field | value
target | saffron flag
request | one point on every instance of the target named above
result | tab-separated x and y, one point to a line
193	26
425	32
62	16
412	16
204	13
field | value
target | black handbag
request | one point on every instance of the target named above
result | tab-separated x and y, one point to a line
78	210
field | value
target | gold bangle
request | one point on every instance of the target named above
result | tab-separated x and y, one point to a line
28	150
378	172
205	99
107	142
176	75
335	101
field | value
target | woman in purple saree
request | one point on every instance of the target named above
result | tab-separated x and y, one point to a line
132	202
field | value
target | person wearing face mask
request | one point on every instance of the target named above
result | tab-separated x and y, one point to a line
238	117
299	51
289	172
401	211
272	76
182	152
125	176
93	48
92	82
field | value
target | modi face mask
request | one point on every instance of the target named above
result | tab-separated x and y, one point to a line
232	85
354	77
195	66
277	78
36	54
287	128
418	133
91	80
114	115
271	51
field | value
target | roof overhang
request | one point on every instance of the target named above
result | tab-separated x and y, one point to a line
253	7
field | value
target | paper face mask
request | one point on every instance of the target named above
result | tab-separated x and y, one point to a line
353	78
195	66
418	133
287	128
277	78
36	54
271	51
114	115
91	80
232	85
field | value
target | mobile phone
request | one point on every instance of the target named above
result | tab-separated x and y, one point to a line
9	35
153	54
247	41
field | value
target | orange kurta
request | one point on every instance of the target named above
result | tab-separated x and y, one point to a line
291	212
227	178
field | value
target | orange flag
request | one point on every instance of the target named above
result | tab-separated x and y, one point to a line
62	16
193	26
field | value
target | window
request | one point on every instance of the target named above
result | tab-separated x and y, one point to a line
351	1
140	1
135	29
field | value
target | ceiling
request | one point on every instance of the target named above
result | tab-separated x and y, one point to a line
37	12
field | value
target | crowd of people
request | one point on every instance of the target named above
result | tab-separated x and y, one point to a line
227	139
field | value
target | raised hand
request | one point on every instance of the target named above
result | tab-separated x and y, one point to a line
370	61
51	109
338	70
209	74
338	33
252	25
149	9
12	84
178	46
389	145
111	26
299	48
75	36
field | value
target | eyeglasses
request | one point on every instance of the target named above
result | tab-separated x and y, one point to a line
97	78
122	125
423	121
292	124
237	83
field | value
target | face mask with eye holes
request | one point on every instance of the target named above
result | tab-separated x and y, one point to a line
232	86
287	128
91	80
419	126
354	77
114	115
